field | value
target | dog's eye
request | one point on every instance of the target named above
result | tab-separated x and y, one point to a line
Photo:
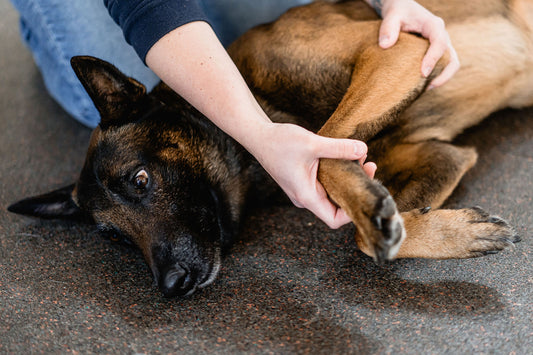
141	179
114	235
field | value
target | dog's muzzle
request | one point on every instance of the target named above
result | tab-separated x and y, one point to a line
178	280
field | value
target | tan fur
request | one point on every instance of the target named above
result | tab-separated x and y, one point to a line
325	56
318	66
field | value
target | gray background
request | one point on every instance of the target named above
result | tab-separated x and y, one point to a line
290	286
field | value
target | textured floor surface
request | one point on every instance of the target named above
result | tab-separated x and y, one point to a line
290	286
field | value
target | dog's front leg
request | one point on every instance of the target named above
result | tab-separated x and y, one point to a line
380	228
384	83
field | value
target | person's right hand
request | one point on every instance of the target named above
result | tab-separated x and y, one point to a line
291	154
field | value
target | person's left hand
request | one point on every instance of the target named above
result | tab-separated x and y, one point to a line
410	16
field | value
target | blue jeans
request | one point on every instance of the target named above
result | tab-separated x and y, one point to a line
56	30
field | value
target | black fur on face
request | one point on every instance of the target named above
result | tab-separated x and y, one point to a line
157	173
149	181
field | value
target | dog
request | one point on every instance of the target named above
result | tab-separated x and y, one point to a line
160	174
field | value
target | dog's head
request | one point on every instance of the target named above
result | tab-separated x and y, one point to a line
154	173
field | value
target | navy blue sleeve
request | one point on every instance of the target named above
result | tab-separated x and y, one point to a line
144	22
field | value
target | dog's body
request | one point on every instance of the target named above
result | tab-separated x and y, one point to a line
160	173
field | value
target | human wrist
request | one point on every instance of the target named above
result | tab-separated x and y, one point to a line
254	135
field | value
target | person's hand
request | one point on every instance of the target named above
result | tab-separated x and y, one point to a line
290	154
409	16
192	62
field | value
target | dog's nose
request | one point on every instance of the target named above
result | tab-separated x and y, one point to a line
176	281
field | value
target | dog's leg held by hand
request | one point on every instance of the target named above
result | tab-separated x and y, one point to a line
371	104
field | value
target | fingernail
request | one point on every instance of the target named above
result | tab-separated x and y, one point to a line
384	41
360	149
430	87
426	71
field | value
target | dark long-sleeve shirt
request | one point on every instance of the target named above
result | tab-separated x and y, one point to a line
144	22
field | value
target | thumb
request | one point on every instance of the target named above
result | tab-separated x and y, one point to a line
389	31
336	148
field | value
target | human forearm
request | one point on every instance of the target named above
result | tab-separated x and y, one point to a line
145	22
193	63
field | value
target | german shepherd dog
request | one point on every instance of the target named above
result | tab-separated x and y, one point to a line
164	176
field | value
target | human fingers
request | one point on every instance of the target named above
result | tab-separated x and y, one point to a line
389	31
370	169
439	42
310	194
336	148
334	217
320	205
452	68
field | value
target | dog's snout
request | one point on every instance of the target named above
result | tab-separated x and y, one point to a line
176	277
182	265
175	281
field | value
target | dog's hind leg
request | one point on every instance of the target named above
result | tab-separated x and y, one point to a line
424	174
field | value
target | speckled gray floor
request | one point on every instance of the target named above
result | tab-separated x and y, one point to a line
291	285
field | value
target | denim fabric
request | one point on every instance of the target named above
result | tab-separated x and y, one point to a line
231	18
56	30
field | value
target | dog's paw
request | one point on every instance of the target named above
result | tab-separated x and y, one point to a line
389	224
454	234
380	227
493	234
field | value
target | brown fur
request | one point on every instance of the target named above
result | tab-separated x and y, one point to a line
378	96
318	66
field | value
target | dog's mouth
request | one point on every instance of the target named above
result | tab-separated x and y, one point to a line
213	272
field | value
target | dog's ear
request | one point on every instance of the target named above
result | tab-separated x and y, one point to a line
112	92
57	204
